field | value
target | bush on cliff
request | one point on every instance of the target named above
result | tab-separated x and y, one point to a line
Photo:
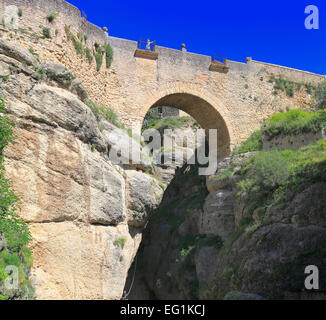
108	55
13	229
276	176
284	123
253	143
294	122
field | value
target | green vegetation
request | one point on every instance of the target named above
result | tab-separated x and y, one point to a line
108	55
98	58
225	175
320	95
4	78
290	87
46	33
12	227
167	123
89	55
121	242
254	143
105	112
80	40
40	72
77	45
284	123
294	122
275	177
272	177
20	12
52	16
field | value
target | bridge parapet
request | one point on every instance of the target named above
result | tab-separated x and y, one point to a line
36	11
241	97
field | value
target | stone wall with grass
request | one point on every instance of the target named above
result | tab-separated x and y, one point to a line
235	102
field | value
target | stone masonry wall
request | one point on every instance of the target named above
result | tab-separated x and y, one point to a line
242	98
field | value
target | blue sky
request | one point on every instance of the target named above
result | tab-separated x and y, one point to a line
269	31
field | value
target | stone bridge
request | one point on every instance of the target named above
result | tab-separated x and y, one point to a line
233	98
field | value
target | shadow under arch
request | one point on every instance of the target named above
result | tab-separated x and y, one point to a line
204	113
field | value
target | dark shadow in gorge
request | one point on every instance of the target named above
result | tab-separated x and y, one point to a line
164	267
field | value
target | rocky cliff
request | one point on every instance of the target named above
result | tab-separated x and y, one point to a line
85	214
247	232
252	236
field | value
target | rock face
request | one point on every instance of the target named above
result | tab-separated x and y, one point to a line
16	52
214	251
75	199
292	142
87	214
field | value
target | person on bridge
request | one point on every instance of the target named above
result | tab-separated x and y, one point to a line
148	45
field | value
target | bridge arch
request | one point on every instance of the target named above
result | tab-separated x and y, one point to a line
198	103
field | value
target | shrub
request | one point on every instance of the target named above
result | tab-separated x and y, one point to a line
40	74
294	122
287	86
78	46
89	55
270	169
108	55
98	59
105	112
12	227
52	16
111	116
121	242
166	123
253	143
20	12
225	175
46	33
268	175
67	31
320	95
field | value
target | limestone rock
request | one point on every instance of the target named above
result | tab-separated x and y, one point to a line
205	261
58	72
301	210
214	184
16	52
107	193
64	109
218	215
4	69
123	149
231	164
191	224
271	261
144	197
73	262
78	89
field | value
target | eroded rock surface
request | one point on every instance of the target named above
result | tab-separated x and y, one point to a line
73	196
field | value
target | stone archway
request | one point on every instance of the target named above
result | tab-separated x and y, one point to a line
202	108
